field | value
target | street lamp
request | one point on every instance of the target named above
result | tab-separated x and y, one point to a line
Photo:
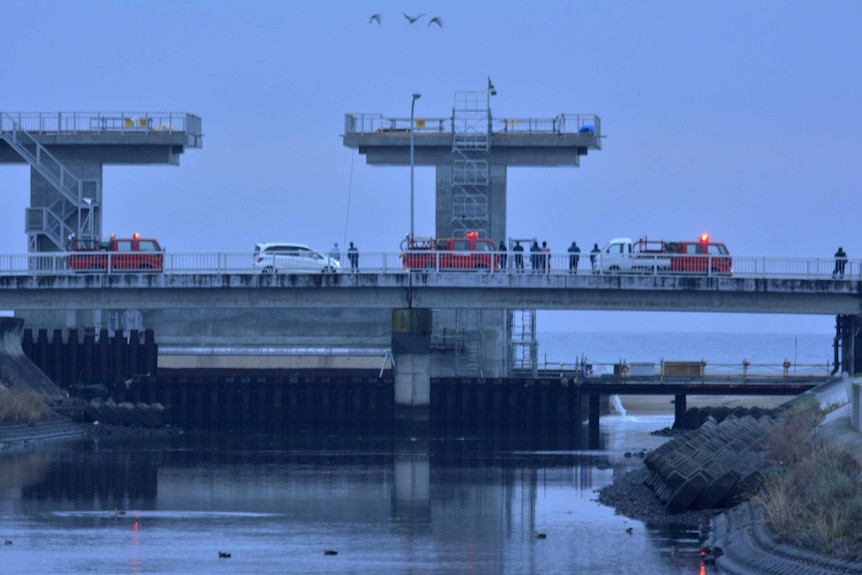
416	96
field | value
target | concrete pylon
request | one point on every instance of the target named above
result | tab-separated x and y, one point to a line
411	349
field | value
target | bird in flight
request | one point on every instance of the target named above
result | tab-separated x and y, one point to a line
413	19
436	20
375	18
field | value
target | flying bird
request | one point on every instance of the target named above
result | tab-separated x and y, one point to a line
436	20
375	18
413	19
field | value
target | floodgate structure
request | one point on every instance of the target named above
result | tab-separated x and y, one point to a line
214	314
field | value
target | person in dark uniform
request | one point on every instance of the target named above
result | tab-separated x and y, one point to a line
535	257
503	257
840	263
353	257
594	257
574	257
518	250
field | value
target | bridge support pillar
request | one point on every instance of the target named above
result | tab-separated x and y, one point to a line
848	345
411	349
679	408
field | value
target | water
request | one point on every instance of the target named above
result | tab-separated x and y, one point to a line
459	505
810	352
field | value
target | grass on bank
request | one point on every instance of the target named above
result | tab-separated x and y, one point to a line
813	496
22	406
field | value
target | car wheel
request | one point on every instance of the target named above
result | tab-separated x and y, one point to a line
268	270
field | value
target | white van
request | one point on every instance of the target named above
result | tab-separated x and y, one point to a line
287	258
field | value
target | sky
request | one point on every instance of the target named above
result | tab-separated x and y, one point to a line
737	118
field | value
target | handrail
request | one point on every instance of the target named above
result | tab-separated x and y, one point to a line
558	264
102	122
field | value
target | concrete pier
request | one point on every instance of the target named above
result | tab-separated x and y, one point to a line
411	348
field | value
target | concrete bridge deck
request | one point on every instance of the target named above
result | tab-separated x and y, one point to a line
466	290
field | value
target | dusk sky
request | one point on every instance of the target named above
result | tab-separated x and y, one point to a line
738	118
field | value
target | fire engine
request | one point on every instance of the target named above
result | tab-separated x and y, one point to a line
127	254
623	255
468	253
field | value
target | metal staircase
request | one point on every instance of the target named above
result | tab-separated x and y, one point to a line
468	335
72	211
524	346
471	177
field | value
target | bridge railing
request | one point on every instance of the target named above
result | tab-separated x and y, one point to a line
391	263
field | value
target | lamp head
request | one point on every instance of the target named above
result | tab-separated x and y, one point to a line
416	95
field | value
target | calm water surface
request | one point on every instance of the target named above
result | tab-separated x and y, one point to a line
462	505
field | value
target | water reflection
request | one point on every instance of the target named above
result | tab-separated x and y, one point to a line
412	505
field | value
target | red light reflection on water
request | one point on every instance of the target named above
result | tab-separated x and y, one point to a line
136	560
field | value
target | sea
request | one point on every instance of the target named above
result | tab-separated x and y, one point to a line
195	503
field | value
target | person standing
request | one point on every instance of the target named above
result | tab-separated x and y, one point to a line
840	263
594	257
546	258
353	258
535	257
518	250
503	256
335	253
574	257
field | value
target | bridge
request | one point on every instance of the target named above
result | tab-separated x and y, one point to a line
227	280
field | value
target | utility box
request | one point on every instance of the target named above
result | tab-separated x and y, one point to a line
683	368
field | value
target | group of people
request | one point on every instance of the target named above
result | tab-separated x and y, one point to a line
352	256
540	257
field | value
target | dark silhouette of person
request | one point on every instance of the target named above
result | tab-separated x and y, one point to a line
840	263
518	250
503	256
574	257
535	258
594	256
546	258
353	257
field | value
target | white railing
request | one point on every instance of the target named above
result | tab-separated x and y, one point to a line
391	263
584	124
101	122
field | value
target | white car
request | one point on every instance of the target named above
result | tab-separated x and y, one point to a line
292	259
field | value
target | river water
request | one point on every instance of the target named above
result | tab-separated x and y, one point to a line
170	503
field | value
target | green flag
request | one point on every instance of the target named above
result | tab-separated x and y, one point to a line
491	89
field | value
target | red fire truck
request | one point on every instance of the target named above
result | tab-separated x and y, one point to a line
117	254
468	253
623	255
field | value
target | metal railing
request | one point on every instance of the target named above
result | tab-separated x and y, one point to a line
701	371
102	122
557	264
569	124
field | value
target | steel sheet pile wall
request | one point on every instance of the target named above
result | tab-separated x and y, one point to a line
104	360
276	404
528	406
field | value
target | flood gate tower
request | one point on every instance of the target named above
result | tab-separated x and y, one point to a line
471	151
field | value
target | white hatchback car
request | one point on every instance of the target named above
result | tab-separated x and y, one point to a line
292	259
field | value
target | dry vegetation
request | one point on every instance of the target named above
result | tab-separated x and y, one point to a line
813	499
21	406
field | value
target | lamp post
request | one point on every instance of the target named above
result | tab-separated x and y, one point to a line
416	96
